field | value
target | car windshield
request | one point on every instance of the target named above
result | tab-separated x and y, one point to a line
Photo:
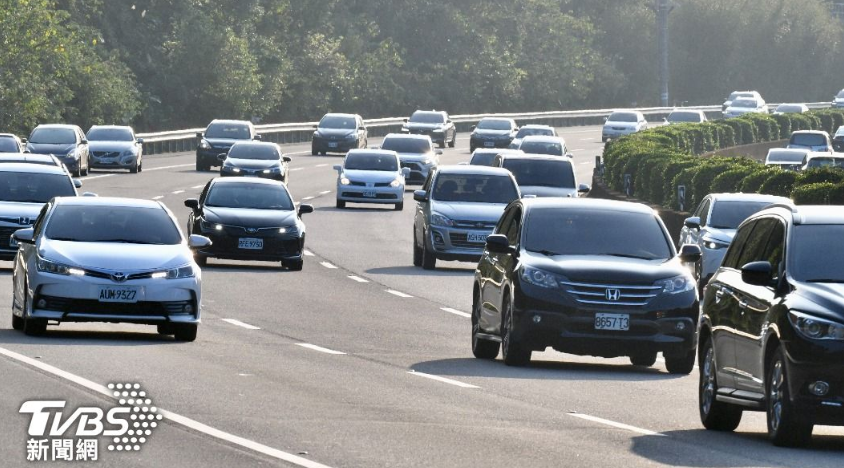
623	117
250	196
110	134
9	145
684	117
808	262
475	188
808	139
118	224
427	117
483	158
53	136
825	162
840	94
541	173
334	121
371	162
729	214
744	102
265	152
786	156
789	108
228	131
581	231
523	132
542	147
407	145
494	124
32	187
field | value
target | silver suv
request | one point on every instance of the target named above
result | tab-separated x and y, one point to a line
458	207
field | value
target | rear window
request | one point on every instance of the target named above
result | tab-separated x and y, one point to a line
523	132
117	224
542	173
786	156
808	139
31	187
228	131
475	188
482	159
789	108
542	147
623	117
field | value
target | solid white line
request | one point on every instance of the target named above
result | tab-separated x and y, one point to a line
296	169
321	165
325	192
455	312
443	379
177	192
158	197
99	176
321	349
308	198
298	153
328	265
308	253
586	162
198	186
358	279
579	149
241	324
398	293
176	418
616	425
167	167
588	139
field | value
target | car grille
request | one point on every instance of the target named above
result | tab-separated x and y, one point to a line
413	166
625	295
105	154
620	128
109	276
482	225
459	240
378	196
265	232
86	306
363	184
6	234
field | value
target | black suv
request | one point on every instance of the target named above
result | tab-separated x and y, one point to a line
218	139
772	326
585	276
435	124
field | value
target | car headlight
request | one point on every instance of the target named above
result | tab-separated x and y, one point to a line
204	144
272	170
206	226
427	161
48	266
231	168
185	271
815	328
288	230
713	244
676	285
440	220
405	129
351	136
539	278
397	182
73	154
345	181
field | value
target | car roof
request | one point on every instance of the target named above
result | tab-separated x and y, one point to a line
231	122
109	201
506	119
373	152
592	204
32	168
66	126
809	132
256	143
337	114
8	135
423	111
537	126
805	214
29	157
473	170
748	197
789	150
111	126
544	139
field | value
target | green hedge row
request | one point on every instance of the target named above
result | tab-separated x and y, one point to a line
661	159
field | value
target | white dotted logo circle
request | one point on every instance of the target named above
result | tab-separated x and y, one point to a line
133	397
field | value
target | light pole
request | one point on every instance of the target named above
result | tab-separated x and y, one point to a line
663	8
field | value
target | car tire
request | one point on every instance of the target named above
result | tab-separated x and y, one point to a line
715	415
17	322
399	206
202	167
136	168
604	139
417	251
643	359
340	204
512	351
314	152
294	265
185	331
481	348
165	329
442	145
453	142
201	260
78	171
429	260
681	365
787	427
471	148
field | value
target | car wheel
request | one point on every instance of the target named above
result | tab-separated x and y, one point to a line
453	142
201	260
17	322
604	139
481	348
78	171
680	364
471	148
399	206
165	329
429	260
140	165
341	204
185	331
294	265
787	427
417	251
136	168
442	145
715	415
512	351
643	359
314	152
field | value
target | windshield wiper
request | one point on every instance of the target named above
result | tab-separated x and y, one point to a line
547	253
126	241
64	239
825	280
28	201
623	255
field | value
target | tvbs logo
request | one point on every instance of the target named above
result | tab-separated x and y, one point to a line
53	430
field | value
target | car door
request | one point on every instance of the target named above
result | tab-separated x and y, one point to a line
494	275
755	304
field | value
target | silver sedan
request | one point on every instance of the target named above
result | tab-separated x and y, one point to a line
371	176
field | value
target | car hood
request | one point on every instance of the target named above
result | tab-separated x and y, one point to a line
827	298
111	146
252	163
225	143
542	191
720	235
15	210
490	212
415	157
114	256
610	123
42	148
335	132
497	133
602	269
249	218
370	176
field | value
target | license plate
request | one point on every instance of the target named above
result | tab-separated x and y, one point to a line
478	237
108	160
369	194
619	322
332	144
489	144
118	294
250	244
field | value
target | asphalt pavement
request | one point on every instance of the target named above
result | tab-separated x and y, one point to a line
361	360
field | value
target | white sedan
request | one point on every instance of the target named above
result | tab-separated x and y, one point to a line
745	105
371	176
621	123
107	260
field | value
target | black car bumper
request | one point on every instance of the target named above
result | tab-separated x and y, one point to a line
209	157
809	363
484	143
274	249
436	137
333	146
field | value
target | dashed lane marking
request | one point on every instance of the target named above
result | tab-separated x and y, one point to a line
159	197
178	192
308	253
455	312
328	265
238	323
616	425
456	383
398	293
321	349
164	168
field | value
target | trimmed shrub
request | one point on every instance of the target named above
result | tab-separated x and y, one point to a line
784	121
780	183
820	174
755	179
702	180
730	181
813	194
836	195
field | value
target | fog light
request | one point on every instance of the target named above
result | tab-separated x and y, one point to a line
680	326
42	303
537	319
819	388
188	309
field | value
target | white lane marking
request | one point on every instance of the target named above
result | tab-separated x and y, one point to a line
158	197
616	425
176	418
296	169
398	293
586	162
358	279
198	186
588	139
177	192
321	165
241	324
99	176
579	149
308	198
325	192
328	265
298	153
308	253
321	349
443	380
167	167
455	312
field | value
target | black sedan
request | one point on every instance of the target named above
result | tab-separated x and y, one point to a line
339	133
436	124
218	139
588	277
249	219
255	159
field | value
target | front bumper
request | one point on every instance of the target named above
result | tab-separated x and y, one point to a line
615	132
476	142
437	136
113	162
807	362
333	146
276	247
363	194
418	171
449	243
209	156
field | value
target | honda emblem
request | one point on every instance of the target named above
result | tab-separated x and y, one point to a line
613	295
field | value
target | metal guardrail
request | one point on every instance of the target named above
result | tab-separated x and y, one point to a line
185	140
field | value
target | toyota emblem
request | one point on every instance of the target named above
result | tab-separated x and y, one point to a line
118	277
613	295
251	230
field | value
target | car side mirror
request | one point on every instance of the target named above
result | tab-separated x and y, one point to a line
24	236
90	194
583	188
192	203
498	243
77	183
405	172
286	159
448	121
757	273
258	137
464	163
692	223
473	127
196	242
199	135
570	155
140	141
84	141
24	141
606	119
405	120
338	167
305	209
690	253
361	128
420	196
222	157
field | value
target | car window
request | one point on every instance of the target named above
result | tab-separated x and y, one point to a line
544	173
53	136
775	249
110	134
427	117
475	188
228	131
338	122
504	222
623	117
754	246
39	221
729	214
117	224
407	145
8	145
514	228
731	259
371	162
483	159
254	151
494	124
542	147
813	255
808	139
32	187
703	212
